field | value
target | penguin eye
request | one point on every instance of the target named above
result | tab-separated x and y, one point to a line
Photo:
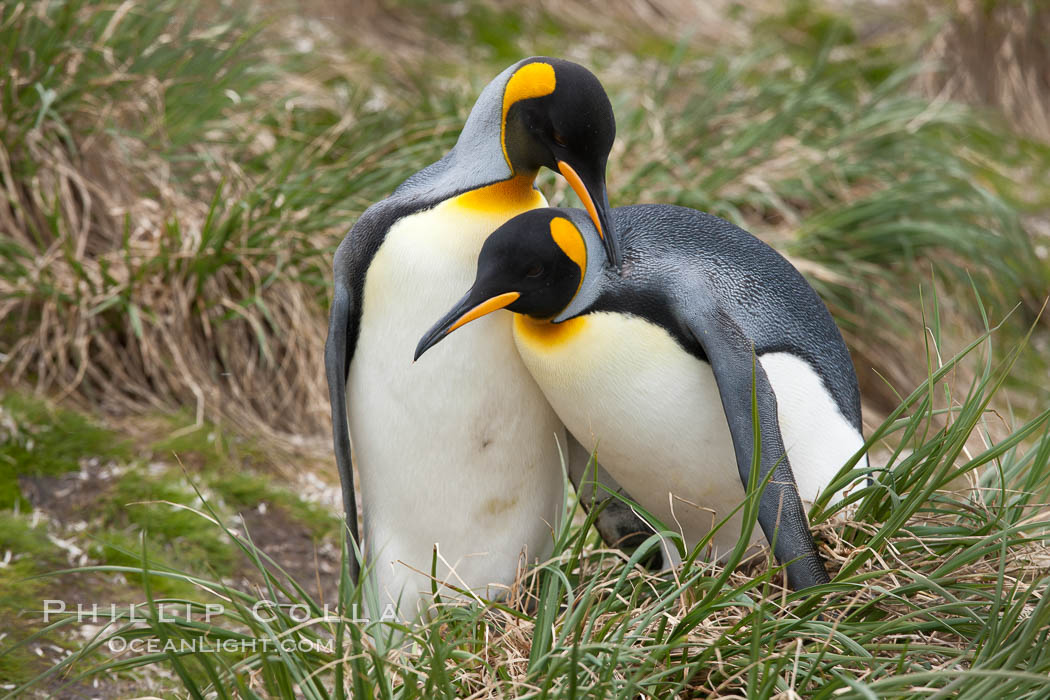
535	271
558	138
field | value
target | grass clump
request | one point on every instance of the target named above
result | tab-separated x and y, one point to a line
198	280
134	291
238	472
26	552
243	490
40	440
19	536
173	181
206	446
816	140
937	591
159	506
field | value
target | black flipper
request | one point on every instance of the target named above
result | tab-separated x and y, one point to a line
781	513
349	267
337	358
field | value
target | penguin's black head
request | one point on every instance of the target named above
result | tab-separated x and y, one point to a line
556	115
531	265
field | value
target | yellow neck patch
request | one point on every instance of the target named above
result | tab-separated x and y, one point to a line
506	197
570	240
531	80
544	335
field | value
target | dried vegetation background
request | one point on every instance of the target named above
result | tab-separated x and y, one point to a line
173	182
169	228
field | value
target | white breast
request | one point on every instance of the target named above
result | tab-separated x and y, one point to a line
652	410
458	449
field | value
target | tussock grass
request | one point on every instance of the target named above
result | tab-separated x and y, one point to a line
995	54
937	592
158	245
174	180
37	440
817	143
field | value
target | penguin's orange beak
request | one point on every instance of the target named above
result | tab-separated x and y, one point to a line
469	308
591	191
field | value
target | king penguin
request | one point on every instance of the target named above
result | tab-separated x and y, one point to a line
655	365
461	453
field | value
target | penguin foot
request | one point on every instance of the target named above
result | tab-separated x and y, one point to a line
621	528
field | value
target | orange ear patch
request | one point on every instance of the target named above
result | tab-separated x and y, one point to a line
531	80
570	240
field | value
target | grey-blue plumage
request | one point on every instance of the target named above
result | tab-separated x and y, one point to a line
774	305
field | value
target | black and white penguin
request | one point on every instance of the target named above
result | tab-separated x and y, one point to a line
462	452
653	364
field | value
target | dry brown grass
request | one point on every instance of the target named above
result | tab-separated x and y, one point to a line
85	325
996	54
109	312
180	355
118	310
893	588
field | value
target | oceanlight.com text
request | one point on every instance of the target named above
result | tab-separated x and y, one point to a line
152	645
